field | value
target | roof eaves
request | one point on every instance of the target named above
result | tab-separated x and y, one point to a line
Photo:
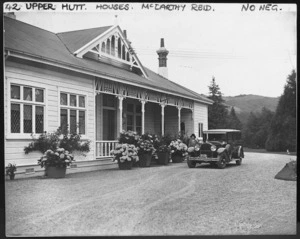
86	70
209	101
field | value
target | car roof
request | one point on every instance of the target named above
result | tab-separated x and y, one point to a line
220	131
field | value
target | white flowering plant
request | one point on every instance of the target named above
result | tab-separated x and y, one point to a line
128	137
145	144
56	158
178	148
125	152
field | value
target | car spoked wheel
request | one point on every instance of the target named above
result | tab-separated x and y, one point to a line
221	161
238	161
191	164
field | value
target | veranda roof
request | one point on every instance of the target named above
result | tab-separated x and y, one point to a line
32	41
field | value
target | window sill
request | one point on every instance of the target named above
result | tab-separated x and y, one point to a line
31	137
18	136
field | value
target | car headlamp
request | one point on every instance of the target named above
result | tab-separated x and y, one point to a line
213	148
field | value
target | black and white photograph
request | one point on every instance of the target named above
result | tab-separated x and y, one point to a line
149	119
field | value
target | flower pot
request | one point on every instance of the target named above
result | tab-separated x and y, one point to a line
177	158
145	160
12	176
163	158
55	172
125	165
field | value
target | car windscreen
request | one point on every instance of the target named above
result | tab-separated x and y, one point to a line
216	137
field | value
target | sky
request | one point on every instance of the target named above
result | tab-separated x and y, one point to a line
247	52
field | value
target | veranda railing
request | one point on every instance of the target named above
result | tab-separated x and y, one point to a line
104	147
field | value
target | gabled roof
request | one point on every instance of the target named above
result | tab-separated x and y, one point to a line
38	43
74	40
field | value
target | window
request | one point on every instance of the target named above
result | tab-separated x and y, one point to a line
108	46
200	129
113	45
103	47
119	48
26	109
134	117
127	57
123	52
182	128
72	113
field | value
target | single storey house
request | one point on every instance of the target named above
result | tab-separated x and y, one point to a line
92	79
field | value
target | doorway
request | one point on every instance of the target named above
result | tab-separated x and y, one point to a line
109	124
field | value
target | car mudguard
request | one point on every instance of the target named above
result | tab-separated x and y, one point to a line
240	152
220	150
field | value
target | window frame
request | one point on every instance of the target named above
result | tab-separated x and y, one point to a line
22	102
200	130
134	114
68	107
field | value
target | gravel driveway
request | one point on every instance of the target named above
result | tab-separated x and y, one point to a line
160	200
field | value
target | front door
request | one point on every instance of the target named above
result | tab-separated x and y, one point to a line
109	124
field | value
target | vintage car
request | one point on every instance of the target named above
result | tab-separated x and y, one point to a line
219	147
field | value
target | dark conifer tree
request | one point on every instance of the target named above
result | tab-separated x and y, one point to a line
233	121
217	112
282	135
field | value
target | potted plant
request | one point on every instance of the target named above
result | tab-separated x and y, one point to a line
125	154
129	137
163	150
178	150
47	143
56	162
10	171
145	150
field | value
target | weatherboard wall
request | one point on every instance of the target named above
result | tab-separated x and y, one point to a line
200	115
53	81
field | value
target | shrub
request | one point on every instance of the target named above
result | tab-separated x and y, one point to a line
52	141
128	137
57	158
125	152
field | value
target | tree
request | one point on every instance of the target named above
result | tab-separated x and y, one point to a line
258	128
264	121
233	121
283	126
251	128
217	112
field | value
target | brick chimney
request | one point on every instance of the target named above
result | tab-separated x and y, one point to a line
162	59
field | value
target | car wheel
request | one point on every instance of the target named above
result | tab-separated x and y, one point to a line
239	161
221	161
191	164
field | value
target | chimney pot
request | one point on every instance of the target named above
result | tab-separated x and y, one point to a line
125	33
162	59
162	43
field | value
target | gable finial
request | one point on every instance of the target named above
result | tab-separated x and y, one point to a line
116	20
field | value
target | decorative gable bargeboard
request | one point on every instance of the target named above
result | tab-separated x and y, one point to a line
113	44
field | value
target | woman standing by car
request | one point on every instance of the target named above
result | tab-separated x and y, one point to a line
192	141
